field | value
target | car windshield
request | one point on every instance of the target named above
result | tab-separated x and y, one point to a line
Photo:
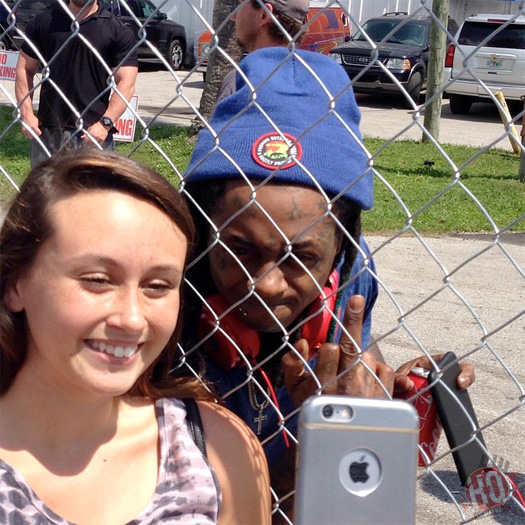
474	33
411	33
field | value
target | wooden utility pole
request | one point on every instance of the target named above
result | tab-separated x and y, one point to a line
522	160
436	63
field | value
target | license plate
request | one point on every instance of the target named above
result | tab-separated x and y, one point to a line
494	62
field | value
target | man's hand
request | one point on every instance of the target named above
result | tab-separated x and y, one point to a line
403	383
340	368
34	124
98	131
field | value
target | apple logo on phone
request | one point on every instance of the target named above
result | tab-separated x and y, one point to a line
360	472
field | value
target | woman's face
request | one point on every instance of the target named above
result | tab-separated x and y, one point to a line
102	297
259	243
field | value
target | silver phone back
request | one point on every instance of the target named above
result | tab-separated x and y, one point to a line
357	466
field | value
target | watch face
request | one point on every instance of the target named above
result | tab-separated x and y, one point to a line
107	121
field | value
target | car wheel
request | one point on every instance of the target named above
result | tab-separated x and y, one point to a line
460	104
414	88
175	55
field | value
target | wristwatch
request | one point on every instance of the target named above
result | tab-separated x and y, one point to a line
106	121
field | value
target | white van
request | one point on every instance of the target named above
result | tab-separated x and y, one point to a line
489	57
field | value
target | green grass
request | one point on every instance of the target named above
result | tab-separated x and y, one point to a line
492	178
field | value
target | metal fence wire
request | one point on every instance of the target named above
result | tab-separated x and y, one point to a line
435	294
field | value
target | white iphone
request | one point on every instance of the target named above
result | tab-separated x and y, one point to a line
356	461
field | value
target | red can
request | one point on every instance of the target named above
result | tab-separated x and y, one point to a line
429	423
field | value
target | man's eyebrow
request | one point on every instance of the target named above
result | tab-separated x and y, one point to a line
300	245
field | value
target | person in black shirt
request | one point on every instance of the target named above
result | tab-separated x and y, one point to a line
81	67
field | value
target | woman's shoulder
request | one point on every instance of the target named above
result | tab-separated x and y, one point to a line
231	426
238	459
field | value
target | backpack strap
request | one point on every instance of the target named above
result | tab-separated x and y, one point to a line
194	422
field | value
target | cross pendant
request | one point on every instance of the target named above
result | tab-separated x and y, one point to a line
259	420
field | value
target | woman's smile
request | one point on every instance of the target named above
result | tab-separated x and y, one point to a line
116	350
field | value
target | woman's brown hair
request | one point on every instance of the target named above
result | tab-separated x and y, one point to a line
27	226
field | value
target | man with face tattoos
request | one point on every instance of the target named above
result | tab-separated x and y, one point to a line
81	47
276	297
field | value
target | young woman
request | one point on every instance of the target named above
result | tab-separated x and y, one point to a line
92	430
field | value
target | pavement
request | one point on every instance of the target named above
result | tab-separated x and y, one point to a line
463	293
174	99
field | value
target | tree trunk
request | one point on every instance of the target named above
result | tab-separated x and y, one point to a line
218	65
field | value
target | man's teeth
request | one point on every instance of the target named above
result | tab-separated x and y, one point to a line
117	351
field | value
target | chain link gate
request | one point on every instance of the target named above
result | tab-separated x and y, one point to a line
436	294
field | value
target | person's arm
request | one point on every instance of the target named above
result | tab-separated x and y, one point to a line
238	459
125	78
227	86
26	69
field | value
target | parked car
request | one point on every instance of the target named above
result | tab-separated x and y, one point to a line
326	28
491	49
402	56
7	29
25	11
166	35
5	38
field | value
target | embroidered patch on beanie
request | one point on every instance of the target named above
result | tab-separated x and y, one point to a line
276	151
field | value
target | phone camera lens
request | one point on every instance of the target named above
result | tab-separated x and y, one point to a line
328	411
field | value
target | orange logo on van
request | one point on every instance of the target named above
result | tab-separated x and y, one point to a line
274	151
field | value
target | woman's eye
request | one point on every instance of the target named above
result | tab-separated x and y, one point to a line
158	287
95	282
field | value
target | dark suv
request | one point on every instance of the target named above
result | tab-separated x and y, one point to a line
165	35
402	56
6	32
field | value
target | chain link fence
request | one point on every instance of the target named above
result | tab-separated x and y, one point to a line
436	294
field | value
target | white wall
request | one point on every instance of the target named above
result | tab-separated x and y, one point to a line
459	10
362	10
183	12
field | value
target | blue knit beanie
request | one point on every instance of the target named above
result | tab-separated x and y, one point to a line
295	121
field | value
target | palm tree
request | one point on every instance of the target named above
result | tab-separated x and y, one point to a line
224	42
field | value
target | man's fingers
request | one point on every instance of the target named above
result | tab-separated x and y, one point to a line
327	367
350	343
402	384
360	381
29	135
293	366
386	376
467	375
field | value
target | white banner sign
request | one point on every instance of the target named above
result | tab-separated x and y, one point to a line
8	60
126	123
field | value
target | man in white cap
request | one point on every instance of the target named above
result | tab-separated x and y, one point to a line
256	28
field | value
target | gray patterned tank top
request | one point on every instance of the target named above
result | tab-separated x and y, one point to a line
187	491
